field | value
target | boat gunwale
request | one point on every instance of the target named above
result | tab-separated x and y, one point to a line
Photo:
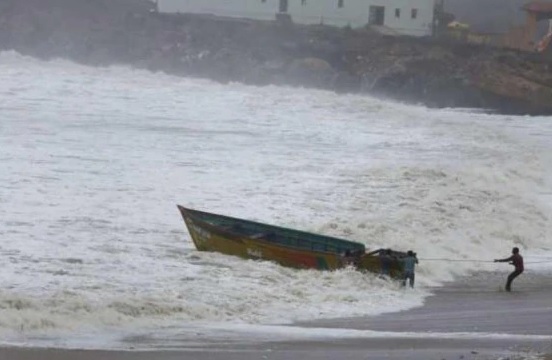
192	215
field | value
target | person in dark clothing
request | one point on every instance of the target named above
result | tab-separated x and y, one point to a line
517	260
347	258
386	259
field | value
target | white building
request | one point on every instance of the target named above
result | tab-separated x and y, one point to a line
408	17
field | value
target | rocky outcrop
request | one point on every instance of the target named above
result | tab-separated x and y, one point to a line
457	75
435	73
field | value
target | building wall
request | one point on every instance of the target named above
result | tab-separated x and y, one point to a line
354	13
490	16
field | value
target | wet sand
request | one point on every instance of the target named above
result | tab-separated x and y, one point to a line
473	304
453	324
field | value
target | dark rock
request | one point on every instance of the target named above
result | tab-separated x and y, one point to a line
313	72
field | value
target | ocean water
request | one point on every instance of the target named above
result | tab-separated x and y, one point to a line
94	160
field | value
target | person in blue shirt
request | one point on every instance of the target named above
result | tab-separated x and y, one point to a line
409	263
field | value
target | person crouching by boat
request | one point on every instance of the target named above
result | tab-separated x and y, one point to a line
409	263
517	260
351	258
347	258
386	260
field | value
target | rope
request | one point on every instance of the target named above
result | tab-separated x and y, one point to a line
484	261
458	260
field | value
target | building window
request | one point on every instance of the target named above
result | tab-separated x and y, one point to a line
303	2
397	13
414	14
263	1
340	3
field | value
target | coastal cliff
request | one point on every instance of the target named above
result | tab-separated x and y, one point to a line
433	72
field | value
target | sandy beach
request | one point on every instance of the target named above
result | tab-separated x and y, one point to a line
469	319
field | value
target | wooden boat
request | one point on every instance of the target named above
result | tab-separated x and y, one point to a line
288	247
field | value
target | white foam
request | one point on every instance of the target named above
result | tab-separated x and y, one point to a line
202	335
283	333
94	160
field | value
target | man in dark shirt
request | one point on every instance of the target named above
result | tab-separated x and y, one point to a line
386	259
517	261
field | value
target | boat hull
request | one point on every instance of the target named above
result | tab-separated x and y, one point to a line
226	240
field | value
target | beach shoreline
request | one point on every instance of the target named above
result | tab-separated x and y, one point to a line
467	319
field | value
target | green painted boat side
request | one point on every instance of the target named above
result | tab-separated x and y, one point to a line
288	247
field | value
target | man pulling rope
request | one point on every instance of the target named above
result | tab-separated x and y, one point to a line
517	260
